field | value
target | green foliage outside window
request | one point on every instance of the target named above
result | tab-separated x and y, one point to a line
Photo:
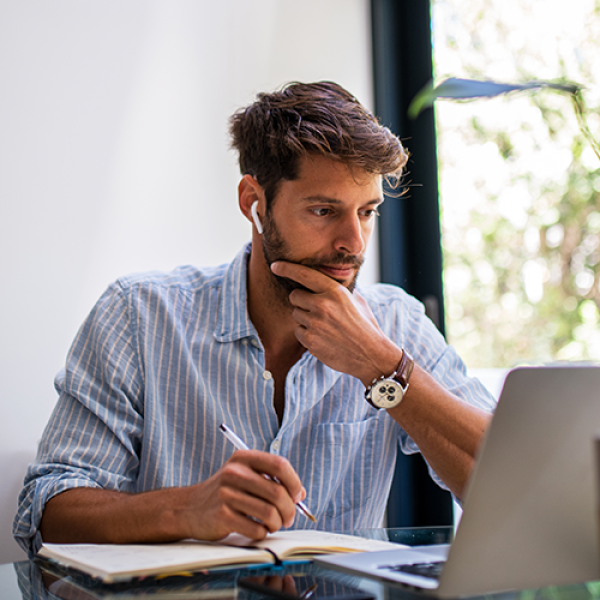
519	182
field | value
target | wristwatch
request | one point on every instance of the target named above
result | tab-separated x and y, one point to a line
387	392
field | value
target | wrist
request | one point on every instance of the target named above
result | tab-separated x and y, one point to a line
387	391
162	515
383	363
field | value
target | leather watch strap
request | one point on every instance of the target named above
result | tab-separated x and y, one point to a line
405	368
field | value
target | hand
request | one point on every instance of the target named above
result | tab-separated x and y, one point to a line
239	498
277	583
336	326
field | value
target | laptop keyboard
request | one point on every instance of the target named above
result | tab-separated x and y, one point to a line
433	570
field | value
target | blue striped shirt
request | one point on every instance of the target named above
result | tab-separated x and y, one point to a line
163	359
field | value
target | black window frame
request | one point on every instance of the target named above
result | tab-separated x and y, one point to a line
410	247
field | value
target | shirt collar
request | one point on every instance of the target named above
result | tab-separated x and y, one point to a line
233	322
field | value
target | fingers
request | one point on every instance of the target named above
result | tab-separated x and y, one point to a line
253	516
278	583
289	585
310	278
263	463
247	490
231	519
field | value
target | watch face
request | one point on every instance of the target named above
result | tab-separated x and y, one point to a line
387	393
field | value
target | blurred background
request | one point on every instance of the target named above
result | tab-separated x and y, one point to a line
519	186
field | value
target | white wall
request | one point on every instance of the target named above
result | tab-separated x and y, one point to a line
114	158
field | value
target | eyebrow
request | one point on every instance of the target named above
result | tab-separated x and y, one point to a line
308	199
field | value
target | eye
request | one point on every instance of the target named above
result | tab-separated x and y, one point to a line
321	212
370	212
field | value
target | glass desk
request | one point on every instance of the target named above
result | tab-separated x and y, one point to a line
24	580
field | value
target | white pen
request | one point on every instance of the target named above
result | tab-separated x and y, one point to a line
241	445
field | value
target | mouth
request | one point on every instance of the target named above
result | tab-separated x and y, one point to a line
338	271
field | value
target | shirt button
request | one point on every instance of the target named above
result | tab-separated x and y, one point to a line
267	375
254	342
244	342
276	445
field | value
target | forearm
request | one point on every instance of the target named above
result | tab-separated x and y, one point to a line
95	515
237	498
340	329
447	430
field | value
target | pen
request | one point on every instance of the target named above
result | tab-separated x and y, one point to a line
309	592
241	445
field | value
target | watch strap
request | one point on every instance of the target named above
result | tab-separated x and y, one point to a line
404	369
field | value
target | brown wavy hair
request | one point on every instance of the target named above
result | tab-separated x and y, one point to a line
273	133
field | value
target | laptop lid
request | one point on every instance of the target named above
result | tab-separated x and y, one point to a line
529	516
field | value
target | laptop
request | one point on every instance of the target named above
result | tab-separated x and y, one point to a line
529	515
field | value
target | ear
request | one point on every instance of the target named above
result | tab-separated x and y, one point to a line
251	194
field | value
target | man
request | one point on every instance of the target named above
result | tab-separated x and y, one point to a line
278	345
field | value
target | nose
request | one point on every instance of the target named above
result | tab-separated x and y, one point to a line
351	236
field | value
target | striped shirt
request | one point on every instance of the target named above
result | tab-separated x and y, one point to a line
163	359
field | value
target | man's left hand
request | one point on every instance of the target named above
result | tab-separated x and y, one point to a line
337	326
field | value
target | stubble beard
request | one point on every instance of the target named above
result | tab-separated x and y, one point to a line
275	248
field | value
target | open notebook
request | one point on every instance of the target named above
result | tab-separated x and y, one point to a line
122	562
529	516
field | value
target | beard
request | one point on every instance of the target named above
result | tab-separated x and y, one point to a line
276	248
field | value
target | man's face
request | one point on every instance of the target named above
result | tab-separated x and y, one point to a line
323	220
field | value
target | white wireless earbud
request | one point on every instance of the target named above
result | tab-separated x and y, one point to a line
256	218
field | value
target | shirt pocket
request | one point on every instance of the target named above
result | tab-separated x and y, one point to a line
347	457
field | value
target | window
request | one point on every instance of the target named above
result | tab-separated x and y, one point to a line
519	185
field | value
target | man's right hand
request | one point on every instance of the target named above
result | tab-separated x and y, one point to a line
237	498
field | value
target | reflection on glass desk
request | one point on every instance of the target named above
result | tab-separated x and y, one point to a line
27	580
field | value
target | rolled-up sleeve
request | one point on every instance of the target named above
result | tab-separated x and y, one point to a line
94	435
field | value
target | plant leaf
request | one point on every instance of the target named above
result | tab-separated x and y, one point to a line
463	89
